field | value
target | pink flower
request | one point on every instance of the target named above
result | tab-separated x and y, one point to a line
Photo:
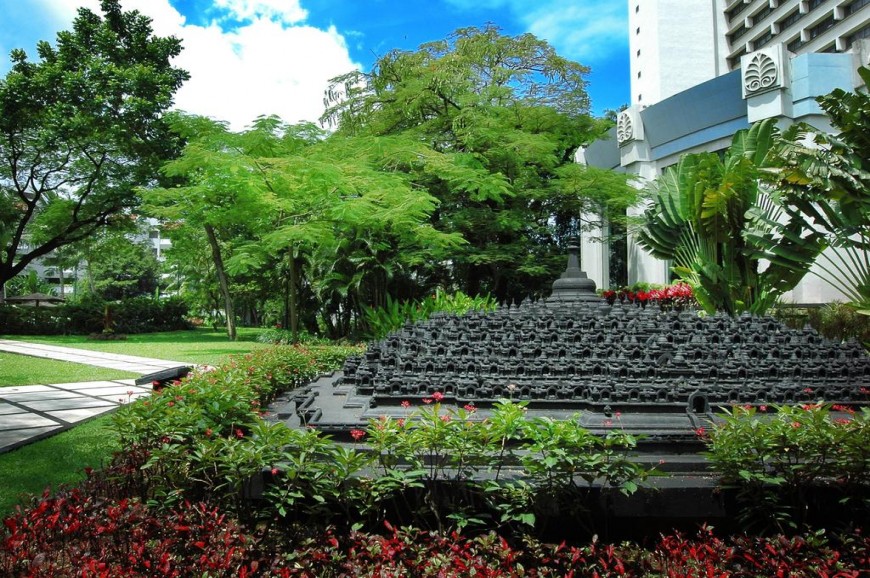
406	403
795	424
437	396
240	433
762	408
275	471
400	422
701	432
470	408
357	434
445	418
608	422
618	414
807	390
427	400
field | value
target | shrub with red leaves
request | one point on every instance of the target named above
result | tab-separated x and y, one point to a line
78	535
83	536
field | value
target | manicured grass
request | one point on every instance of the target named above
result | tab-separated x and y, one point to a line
60	459
200	346
25	370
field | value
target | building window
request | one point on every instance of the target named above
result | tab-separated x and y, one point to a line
737	34
790	19
821	27
859	35
734	61
816	3
761	14
762	40
795	44
855	6
735	11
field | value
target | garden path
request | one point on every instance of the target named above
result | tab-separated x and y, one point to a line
32	412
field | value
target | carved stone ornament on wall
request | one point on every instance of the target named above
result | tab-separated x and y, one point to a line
761	74
624	128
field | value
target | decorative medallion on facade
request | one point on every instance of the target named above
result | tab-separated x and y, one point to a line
763	71
624	128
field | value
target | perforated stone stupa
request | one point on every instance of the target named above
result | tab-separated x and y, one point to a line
663	373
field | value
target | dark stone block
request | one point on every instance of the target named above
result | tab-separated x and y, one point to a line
159	379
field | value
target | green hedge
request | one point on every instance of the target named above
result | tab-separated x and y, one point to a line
137	315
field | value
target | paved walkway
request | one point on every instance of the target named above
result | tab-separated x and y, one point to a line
32	412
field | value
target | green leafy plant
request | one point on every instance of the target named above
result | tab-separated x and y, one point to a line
713	220
773	459
395	314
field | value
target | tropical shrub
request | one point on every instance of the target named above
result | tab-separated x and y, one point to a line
670	297
713	220
837	321
395	314
823	181
92	315
775	458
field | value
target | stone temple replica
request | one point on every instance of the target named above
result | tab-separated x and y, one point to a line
573	356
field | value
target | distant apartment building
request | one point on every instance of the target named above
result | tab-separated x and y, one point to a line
702	70
66	278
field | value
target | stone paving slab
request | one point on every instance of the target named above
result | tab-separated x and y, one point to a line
13	438
32	412
124	362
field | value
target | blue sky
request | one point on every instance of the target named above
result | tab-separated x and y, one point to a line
252	57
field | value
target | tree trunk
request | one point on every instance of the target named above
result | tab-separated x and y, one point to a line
294	299
222	280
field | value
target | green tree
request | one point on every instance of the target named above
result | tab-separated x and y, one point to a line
222	190
79	130
121	268
278	194
712	219
824	181
507	115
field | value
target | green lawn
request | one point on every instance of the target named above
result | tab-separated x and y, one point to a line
60	459
26	370
200	346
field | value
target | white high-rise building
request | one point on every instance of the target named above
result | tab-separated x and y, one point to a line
703	69
678	44
670	47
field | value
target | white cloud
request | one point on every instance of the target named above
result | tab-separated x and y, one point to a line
285	11
585	30
262	65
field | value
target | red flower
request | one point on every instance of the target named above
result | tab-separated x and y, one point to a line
470	408
240	433
357	434
701	432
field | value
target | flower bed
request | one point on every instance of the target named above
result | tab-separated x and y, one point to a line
177	500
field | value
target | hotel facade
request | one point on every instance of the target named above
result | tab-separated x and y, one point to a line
703	69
